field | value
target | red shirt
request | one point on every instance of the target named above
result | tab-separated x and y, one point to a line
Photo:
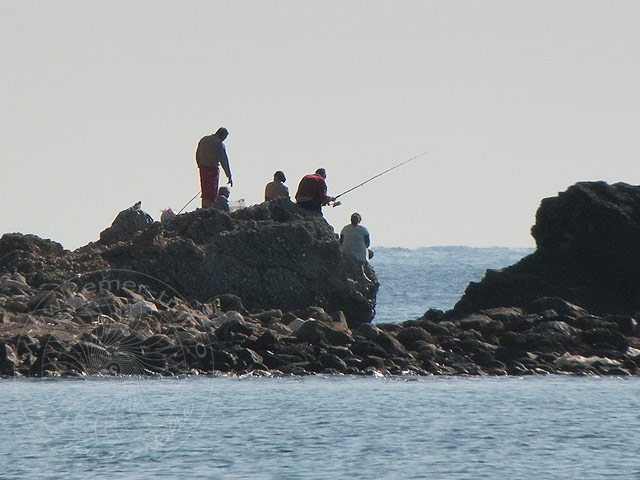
312	187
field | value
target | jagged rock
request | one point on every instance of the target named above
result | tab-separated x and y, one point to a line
368	331
626	324
504	314
267	341
560	327
271	256
329	360
249	357
8	360
475	321
579	362
319	333
588	254
368	348
126	225
606	338
391	344
26	344
266	288
410	337
230	303
14	283
12	243
226	332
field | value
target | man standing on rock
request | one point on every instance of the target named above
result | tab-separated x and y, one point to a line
312	191
209	155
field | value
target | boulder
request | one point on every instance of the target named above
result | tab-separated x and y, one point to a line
588	254
8	360
368	348
319	333
412	336
17	243
249	357
331	361
580	363
475	322
126	225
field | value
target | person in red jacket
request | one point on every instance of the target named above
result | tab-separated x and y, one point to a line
312	191
209	155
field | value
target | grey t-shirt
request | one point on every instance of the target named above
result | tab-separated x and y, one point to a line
353	241
275	190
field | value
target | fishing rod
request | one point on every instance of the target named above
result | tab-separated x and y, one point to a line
186	204
335	204
380	174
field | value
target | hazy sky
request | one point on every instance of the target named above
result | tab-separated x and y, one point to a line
103	104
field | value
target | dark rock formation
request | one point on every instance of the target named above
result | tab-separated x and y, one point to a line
568	307
588	253
126	225
266	290
273	255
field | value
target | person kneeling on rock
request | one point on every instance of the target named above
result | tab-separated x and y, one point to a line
354	239
222	200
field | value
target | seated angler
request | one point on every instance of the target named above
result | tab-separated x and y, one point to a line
222	200
277	188
312	191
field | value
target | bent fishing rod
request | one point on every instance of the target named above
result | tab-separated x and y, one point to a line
378	175
194	197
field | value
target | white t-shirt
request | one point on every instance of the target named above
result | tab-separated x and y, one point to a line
353	241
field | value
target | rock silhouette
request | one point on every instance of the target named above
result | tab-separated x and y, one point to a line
588	253
265	291
272	255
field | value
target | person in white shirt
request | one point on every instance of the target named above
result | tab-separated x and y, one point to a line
354	239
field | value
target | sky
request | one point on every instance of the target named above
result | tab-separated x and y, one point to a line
103	104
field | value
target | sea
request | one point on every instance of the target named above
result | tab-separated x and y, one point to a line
332	427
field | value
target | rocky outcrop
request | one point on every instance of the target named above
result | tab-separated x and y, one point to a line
265	291
273	255
127	224
588	253
112	329
262	289
570	306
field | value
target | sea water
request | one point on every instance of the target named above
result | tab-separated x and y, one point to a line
322	427
412	281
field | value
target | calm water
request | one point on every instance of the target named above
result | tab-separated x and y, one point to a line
412	281
373	428
325	428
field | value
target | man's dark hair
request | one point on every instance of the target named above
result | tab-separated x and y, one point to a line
322	172
222	133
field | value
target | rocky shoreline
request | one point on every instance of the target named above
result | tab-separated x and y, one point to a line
112	308
62	332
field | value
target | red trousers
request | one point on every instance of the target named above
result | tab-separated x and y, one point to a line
209	177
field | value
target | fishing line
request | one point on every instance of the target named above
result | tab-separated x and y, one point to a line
186	204
382	173
346	191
